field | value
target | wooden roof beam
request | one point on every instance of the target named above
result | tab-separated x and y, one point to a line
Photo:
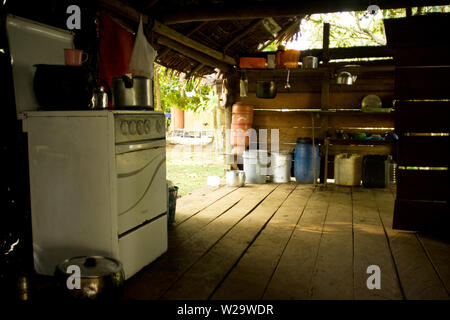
166	50
243	10
193	54
188	42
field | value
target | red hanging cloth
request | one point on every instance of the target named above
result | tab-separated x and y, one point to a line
116	46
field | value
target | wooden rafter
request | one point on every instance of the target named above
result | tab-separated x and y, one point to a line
178	37
166	50
195	70
193	54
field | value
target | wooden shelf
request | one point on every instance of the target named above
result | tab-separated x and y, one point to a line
321	70
360	142
355	112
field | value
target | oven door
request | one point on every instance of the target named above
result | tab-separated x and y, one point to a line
141	183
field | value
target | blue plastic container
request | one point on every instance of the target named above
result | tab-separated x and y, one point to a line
303	161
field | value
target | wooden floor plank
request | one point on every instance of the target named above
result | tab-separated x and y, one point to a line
183	231
230	241
417	276
201	280
371	248
333	275
189	205
248	280
153	281
293	275
438	250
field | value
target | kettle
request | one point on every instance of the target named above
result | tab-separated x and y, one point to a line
99	99
100	96
345	77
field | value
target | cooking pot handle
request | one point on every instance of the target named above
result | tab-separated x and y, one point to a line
267	164
127	81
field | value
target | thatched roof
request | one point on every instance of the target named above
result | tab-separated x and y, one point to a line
214	33
220	35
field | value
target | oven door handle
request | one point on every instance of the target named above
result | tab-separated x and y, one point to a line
144	145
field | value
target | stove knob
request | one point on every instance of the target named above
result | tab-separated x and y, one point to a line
147	126
124	127
132	127
140	127
160	126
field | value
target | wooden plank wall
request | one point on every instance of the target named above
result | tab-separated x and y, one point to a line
423	93
306	93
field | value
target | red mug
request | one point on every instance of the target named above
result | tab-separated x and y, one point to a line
74	57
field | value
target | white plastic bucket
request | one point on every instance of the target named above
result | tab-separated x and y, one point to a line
256	163
281	166
348	169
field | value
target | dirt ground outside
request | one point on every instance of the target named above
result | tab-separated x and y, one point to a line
188	166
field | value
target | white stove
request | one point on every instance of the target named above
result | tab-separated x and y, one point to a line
97	178
98	186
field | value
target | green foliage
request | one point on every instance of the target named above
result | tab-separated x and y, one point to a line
271	47
193	94
349	29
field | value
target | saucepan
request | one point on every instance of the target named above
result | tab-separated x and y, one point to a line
235	178
90	278
310	62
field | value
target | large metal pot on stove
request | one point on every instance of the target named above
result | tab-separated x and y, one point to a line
132	92
100	278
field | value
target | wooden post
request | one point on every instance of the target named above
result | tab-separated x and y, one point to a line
325	174
313	149
326	43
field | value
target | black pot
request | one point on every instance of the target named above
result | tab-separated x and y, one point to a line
61	87
266	89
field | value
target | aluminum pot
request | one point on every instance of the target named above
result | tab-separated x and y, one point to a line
310	62
134	92
100	278
235	178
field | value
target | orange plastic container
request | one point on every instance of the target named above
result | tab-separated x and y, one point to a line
291	58
252	63
241	121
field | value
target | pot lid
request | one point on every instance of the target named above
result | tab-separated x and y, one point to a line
92	266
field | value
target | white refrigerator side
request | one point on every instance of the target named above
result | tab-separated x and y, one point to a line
72	189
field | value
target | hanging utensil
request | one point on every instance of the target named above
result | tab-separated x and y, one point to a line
288	86
243	85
